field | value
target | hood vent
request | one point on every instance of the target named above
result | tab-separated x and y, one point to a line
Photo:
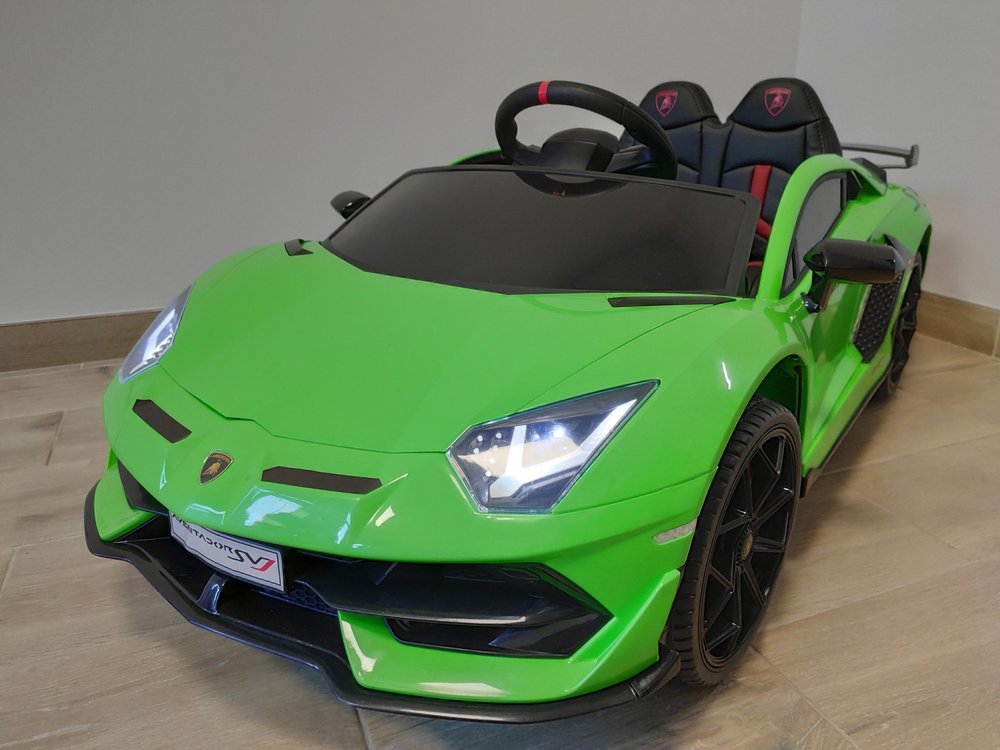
703	299
320	480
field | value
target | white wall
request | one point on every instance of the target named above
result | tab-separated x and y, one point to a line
140	141
905	71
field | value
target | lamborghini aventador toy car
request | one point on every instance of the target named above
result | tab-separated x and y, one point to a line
524	437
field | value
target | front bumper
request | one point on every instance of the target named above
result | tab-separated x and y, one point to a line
608	544
205	598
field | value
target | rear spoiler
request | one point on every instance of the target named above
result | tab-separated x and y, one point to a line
910	156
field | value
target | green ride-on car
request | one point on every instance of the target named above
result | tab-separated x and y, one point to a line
524	437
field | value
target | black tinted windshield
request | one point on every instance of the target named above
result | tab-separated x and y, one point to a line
522	231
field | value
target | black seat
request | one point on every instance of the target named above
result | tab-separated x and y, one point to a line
685	112
779	124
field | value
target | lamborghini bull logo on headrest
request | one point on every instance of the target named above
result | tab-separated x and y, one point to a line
665	101
214	465
776	99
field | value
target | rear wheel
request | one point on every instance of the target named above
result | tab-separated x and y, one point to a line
739	544
902	334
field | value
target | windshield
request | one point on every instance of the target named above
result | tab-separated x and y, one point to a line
516	231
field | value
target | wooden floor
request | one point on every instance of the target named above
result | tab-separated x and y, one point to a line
885	631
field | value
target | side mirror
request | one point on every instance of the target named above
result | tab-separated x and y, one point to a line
854	262
348	202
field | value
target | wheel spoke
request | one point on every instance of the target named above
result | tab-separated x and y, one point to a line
780	462
773	468
711	617
738	596
736	523
745	490
718	575
780	500
728	632
767	546
751	580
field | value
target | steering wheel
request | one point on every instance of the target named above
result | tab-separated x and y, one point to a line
592	146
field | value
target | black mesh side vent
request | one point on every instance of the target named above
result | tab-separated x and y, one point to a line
875	318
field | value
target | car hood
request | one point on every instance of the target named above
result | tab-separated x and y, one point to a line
312	348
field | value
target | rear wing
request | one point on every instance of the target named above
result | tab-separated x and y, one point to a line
910	156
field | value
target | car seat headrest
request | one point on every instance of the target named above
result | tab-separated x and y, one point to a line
779	104
677	103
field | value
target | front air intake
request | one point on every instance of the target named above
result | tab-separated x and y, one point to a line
159	420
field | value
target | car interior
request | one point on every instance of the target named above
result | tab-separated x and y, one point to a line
778	124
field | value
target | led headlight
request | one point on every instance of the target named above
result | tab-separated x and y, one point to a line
527	463
156	340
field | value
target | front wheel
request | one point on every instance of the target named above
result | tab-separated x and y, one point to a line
739	544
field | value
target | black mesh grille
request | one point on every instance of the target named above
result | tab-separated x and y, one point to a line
875	318
301	596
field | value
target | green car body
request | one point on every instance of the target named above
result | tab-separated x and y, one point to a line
258	371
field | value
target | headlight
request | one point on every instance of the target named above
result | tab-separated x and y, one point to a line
528	462
156	340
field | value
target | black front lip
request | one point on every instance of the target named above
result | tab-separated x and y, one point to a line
332	662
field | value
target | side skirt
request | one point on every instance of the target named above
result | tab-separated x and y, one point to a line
809	479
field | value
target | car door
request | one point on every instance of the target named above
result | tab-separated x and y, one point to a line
828	334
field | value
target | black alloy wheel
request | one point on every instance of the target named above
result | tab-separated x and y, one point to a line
739	544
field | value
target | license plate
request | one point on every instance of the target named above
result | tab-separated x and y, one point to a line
236	557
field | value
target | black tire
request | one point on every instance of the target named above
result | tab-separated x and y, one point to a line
750	532
902	334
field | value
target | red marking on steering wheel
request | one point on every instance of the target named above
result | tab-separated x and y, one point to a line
543	92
